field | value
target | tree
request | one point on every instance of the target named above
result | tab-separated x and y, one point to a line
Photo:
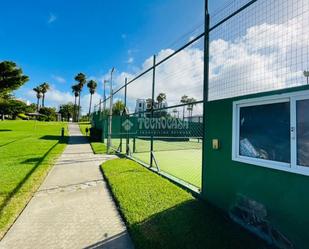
12	107
152	105
31	108
161	97
44	88
38	91
105	112
75	90
175	111
92	85
81	79
49	114
118	108
11	77
184	100
190	105
67	110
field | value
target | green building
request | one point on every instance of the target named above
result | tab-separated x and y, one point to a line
256	163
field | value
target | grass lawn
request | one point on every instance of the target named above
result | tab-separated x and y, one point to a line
27	150
161	215
97	147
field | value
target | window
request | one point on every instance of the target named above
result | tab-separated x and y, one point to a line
265	132
273	132
302	123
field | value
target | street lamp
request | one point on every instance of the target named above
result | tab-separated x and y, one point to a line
306	74
109	140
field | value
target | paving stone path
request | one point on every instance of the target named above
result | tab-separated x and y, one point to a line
73	208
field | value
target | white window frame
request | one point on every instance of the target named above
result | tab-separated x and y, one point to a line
294	99
279	98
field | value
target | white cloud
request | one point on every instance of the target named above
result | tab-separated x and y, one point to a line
131	53
56	97
85	102
178	76
53	98
130	60
191	38
118	80
52	18
265	57
58	78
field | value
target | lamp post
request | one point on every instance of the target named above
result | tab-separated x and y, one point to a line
109	140
306	74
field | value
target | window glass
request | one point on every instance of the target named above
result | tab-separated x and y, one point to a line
302	121
264	132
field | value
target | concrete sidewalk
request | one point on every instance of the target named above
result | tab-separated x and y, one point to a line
73	208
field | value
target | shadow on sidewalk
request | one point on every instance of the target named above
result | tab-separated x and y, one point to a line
120	240
78	140
67	139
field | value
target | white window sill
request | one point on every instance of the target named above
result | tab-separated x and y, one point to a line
273	165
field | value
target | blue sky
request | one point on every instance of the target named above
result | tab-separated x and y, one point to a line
53	40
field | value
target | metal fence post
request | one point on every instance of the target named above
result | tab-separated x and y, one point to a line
109	140
125	106
121	115
102	120
104	95
206	83
104	112
152	107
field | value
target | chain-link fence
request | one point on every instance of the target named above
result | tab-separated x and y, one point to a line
158	116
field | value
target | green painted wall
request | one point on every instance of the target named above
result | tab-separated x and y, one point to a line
285	195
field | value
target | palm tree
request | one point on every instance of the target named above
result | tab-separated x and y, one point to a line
175	111
161	97
81	79
92	85
184	100
75	90
44	87
38	91
190	106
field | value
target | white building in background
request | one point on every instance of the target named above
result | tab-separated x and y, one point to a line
142	105
161	105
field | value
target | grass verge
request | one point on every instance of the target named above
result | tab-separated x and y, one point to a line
160	214
97	147
28	150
